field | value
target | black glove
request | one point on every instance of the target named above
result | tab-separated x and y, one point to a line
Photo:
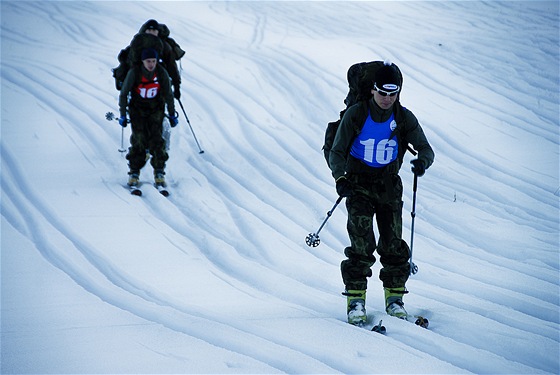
418	167
176	92
123	121
343	187
173	121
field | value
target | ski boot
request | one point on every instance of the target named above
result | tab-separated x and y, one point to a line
133	177
393	302
356	307
159	178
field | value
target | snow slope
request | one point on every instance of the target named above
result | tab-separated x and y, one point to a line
217	278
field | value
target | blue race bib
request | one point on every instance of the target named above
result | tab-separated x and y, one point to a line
373	146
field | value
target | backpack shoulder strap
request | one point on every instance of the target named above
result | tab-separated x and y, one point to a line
360	115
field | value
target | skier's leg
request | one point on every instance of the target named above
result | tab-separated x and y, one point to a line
357	267
138	142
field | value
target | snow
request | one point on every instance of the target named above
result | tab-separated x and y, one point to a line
217	278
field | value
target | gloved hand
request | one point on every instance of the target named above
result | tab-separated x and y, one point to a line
343	187
173	121
123	121
176	92
418	167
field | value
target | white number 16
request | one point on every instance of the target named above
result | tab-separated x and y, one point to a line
383	150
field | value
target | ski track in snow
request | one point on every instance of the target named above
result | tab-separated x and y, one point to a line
223	259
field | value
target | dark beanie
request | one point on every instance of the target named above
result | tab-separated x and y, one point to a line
151	24
149	53
387	78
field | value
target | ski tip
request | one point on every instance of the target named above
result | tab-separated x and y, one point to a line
422	322
379	328
136	191
162	190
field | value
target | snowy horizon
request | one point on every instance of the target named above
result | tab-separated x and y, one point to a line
217	278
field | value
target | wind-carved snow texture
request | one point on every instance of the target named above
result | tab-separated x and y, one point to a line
216	278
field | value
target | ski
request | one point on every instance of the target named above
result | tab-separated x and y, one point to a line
135	190
379	328
416	319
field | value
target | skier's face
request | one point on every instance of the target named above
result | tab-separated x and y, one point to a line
384	101
152	31
149	64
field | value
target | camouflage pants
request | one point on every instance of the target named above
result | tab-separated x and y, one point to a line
378	197
146	135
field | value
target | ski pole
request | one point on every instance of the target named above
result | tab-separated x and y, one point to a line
312	239
122	149
413	267
188	122
110	116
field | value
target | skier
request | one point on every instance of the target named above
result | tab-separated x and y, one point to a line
150	90
365	166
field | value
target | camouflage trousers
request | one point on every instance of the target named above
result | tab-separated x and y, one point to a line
378	197
146	136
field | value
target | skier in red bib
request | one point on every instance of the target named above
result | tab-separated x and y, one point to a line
145	92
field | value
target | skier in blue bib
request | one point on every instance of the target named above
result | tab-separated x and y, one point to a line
365	160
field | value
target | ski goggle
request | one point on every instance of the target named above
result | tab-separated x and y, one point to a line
386	93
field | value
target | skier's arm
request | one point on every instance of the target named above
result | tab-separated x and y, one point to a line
341	144
125	90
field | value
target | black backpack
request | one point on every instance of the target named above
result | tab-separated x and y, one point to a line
120	72
360	78
178	52
360	81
